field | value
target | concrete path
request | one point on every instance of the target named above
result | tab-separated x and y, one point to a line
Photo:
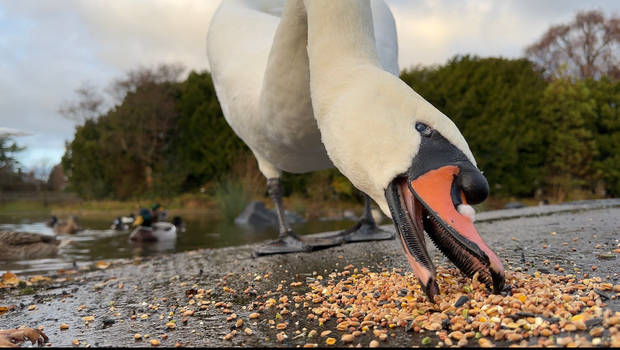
143	295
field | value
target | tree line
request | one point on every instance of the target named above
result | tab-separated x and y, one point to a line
538	127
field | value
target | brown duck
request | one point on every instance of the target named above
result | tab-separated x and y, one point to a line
69	226
25	245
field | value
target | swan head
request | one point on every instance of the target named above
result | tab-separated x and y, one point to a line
414	162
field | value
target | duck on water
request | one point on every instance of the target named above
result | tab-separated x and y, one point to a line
150	228
69	226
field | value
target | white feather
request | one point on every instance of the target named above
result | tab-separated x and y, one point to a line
467	210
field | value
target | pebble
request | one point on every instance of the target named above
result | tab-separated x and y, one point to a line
461	301
597	332
347	338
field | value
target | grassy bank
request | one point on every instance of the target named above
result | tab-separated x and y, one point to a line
226	203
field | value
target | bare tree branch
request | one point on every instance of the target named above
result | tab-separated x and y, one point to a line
587	47
88	105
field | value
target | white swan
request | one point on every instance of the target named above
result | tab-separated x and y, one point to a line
312	84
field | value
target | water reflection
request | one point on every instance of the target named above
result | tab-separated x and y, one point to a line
97	241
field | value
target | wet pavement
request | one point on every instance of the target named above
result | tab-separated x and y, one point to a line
146	296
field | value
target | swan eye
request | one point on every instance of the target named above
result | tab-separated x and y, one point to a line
423	129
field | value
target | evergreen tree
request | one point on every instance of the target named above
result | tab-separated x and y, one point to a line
606	130
567	111
495	103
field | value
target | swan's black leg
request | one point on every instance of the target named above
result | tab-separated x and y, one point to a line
288	241
366	229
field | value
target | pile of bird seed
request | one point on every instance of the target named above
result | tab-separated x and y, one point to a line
551	309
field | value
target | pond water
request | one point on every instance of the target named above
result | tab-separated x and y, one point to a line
98	242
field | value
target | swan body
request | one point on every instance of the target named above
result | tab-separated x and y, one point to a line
313	84
265	91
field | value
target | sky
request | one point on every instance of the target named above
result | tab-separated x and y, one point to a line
49	48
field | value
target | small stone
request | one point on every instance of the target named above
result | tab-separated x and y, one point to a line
347	338
564	341
570	327
458	335
597	332
64	326
485	343
461	301
514	337
154	342
373	344
137	336
281	336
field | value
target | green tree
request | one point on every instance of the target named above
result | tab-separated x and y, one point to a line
204	145
495	102
606	130
568	109
84	162
8	149
123	152
10	179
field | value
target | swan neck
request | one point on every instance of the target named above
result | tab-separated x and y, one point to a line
287	72
340	31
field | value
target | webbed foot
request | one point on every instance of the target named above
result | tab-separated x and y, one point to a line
289	242
366	230
286	243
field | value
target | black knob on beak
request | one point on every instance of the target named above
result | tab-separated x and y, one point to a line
473	184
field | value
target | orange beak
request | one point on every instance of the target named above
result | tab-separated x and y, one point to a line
427	203
433	189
